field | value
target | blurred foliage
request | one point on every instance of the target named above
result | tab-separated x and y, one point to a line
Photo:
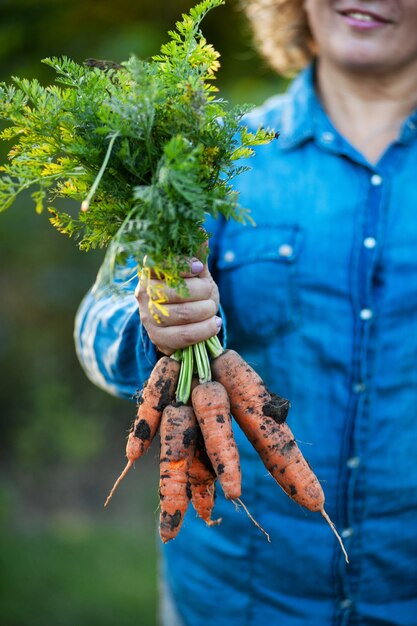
61	438
33	29
77	575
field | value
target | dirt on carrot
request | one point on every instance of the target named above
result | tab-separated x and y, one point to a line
202	479
212	409
157	393
178	438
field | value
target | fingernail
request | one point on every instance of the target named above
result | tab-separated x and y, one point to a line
219	322
197	267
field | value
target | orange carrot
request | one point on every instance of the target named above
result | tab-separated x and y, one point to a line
157	393
212	409
202	479
178	436
261	416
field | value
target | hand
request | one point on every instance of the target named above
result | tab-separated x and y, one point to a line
189	320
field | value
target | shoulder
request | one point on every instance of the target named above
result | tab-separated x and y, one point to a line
290	113
269	114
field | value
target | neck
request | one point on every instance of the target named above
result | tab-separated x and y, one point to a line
367	109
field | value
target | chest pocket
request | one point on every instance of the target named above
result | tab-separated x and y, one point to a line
257	280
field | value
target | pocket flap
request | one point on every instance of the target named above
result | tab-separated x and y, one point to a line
281	243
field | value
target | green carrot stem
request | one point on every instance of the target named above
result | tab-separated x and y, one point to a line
203	363
214	346
177	355
186	374
86	203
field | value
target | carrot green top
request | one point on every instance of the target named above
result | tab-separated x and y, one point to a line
147	147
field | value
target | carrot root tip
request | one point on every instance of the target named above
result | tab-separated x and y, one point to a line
251	517
118	481
333	527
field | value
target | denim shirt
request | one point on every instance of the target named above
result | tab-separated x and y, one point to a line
321	298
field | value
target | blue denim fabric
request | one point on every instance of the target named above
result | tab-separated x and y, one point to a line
321	298
168	614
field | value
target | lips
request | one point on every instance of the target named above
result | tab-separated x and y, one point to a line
360	14
362	19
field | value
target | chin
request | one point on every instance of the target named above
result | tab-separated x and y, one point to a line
365	66
364	60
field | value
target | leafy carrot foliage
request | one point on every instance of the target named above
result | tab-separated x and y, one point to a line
149	146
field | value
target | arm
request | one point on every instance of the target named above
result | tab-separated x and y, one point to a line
112	345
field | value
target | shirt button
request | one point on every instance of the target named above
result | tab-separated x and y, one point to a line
411	125
346	533
365	314
359	387
353	462
327	137
346	604
285	250
376	180
369	242
229	256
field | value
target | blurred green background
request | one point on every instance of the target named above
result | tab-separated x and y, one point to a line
64	560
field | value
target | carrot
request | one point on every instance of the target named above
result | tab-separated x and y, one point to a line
212	409
157	393
178	436
261	416
202	481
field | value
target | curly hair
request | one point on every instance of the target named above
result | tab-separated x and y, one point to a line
281	33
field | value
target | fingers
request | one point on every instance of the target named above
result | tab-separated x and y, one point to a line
174	338
189	319
195	268
187	313
183	313
197	289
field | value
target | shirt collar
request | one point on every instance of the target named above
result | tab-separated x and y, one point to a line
409	129
304	118
296	124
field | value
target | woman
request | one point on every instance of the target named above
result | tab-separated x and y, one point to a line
321	297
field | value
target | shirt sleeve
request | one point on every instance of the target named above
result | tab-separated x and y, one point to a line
112	346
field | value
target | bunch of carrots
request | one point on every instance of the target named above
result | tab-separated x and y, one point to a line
197	442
